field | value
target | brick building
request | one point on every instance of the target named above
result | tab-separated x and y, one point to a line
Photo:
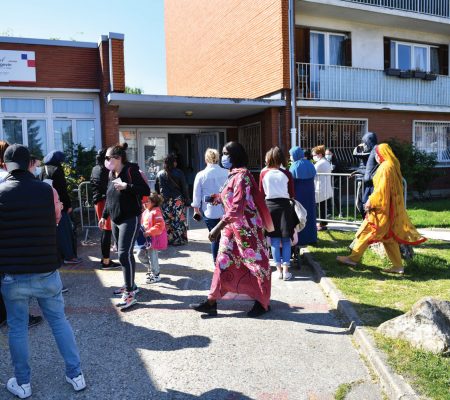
54	93
360	66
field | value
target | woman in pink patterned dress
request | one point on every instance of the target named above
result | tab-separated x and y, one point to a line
242	265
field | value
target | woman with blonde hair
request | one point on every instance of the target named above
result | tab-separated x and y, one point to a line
386	220
208	182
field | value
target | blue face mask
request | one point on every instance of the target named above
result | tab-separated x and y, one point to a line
226	162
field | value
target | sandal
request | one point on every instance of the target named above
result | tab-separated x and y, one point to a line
394	271
346	260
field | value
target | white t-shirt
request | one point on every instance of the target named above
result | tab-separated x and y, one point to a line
275	184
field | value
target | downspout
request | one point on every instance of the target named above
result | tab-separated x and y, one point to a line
292	72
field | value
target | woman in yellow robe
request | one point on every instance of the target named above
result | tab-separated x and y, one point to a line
386	220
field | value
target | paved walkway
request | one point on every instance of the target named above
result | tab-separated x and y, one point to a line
162	350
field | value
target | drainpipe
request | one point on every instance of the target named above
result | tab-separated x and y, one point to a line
292	72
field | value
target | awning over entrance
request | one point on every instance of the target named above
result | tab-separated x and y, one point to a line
182	107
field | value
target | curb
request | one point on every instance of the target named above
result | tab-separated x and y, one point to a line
394	385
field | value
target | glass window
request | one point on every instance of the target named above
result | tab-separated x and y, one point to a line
86	133
434	60
393	55
23	105
420	58
317	48
63	134
250	138
37	137
433	137
129	136
337	50
12	131
404	57
73	106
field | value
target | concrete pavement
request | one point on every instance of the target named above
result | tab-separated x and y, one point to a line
162	350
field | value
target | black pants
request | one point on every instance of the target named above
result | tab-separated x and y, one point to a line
105	243
125	237
2	308
324	209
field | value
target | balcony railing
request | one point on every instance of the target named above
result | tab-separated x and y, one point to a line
346	84
436	8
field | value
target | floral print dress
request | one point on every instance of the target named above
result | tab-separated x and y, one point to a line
242	265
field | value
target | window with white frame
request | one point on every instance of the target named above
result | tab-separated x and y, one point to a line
46	122
327	48
340	135
433	137
414	56
250	138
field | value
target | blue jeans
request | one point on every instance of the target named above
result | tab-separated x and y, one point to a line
283	253
210	224
17	291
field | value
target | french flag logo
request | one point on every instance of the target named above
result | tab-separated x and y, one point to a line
30	63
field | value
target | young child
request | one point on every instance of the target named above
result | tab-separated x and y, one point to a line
155	233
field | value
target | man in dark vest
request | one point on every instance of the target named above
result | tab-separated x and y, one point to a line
29	265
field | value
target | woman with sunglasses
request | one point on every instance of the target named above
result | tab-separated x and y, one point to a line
126	188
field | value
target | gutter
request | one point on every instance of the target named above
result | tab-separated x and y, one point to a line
292	72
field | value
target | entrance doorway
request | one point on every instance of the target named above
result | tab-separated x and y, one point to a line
188	145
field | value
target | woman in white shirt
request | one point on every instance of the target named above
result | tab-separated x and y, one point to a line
208	182
323	186
277	186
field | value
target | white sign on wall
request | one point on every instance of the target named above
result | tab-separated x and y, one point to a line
17	66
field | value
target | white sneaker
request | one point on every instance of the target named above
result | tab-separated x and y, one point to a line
128	299
22	391
78	383
152	278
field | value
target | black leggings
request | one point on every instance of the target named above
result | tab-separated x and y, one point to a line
105	243
125	235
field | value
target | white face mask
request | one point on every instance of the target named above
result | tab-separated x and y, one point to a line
316	158
328	157
37	171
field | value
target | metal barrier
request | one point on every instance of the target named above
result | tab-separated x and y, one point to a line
88	217
343	204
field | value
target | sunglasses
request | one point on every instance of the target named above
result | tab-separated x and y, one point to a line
107	158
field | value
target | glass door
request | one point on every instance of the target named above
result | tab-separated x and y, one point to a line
153	148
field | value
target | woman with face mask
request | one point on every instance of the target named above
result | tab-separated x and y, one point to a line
386	220
126	188
242	265
99	185
323	187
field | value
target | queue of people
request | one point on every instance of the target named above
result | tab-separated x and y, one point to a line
248	222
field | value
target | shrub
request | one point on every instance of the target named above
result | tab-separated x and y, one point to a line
78	167
418	167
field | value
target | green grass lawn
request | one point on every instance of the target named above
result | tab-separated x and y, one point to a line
430	214
378	296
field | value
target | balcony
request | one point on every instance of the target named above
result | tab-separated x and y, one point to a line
359	85
435	8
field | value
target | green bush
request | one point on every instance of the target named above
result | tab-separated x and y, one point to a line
418	167
78	166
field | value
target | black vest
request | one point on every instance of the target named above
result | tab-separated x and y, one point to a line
27	225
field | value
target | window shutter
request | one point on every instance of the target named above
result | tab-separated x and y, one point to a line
387	53
348	51
443	59
302	45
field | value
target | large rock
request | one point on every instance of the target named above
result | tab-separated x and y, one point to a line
426	326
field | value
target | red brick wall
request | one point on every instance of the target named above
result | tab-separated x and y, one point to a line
118	65
386	124
61	66
232	48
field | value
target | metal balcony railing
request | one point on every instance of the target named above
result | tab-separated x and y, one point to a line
436	8
347	84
